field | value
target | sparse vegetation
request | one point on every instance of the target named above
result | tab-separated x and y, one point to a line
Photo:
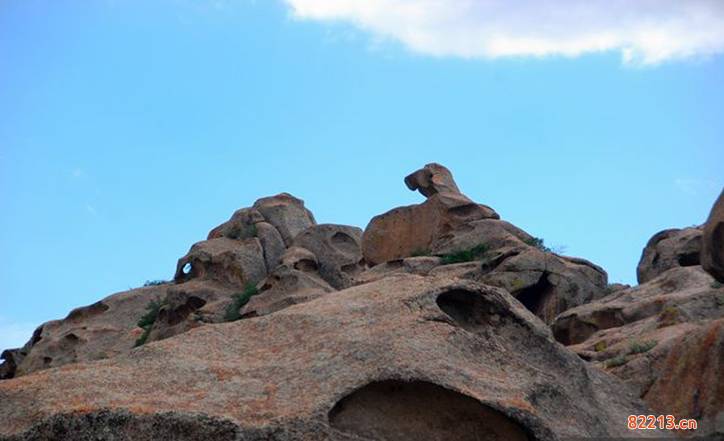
641	347
538	243
668	316
616	361
600	346
420	253
239	300
155	282
716	284
474	253
148	319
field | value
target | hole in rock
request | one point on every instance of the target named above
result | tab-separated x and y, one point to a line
306	265
177	315
187	269
539	298
688	259
345	243
394	410
468	309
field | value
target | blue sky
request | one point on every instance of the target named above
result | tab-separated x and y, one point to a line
129	129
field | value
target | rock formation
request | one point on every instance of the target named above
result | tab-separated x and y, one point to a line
449	223
432	324
406	357
665	337
712	251
669	249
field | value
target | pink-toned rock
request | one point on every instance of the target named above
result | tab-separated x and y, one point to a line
337	249
665	338
406	231
432	179
669	249
287	214
395	359
226	261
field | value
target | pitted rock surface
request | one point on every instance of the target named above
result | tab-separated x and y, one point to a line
284	375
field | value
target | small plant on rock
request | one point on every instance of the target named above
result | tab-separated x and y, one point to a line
716	284
155	282
618	360
668	316
148	319
238	301
474	253
538	243
420	253
600	346
641	347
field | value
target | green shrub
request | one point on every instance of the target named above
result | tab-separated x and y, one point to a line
668	316
420	253
155	282
616	361
641	347
538	243
600	346
238	301
474	253
148	319
716	284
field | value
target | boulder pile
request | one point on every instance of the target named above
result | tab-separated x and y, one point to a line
439	321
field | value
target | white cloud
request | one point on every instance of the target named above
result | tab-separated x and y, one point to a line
643	31
14	335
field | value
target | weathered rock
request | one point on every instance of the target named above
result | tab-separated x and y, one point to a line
102	330
240	226
665	338
227	261
395	359
712	250
669	249
285	287
407	231
431	179
545	282
337	249
271	243
189	305
287	214
420	265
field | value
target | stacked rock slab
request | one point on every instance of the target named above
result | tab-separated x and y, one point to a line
448	222
664	337
406	357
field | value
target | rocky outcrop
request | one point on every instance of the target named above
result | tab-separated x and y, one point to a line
102	330
712	250
245	251
450	224
400	358
223	260
652	335
669	249
337	249
432	179
430	325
